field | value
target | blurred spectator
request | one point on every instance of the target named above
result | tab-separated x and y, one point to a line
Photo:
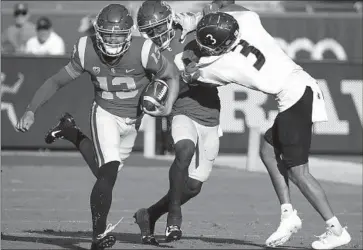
86	25
46	42
14	38
358	7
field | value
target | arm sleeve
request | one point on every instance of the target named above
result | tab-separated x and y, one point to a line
49	88
75	67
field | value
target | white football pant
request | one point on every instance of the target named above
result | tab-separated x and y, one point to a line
113	139
206	140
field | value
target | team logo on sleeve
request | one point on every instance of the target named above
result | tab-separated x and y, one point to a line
96	70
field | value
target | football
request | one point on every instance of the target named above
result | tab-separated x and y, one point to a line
155	94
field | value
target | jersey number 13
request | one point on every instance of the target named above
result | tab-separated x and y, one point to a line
120	87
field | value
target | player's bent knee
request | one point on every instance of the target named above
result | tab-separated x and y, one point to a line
202	172
294	160
108	171
184	151
298	173
193	187
202	177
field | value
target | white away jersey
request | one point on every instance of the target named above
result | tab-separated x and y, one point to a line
257	62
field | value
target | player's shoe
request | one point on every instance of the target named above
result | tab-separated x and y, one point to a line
329	240
172	233
290	223
142	219
105	240
66	121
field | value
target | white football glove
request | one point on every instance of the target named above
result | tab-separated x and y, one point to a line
188	21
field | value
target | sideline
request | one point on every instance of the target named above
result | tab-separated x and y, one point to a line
323	168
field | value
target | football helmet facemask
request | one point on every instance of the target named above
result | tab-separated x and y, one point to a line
155	21
216	33
113	28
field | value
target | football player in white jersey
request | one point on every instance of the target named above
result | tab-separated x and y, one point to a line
241	51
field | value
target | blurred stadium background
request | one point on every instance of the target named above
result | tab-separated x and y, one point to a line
41	212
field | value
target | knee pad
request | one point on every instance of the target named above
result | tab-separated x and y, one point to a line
109	172
184	151
193	187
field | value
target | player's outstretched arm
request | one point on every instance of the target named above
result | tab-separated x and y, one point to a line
65	75
41	96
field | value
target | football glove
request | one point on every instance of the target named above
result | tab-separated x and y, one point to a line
191	74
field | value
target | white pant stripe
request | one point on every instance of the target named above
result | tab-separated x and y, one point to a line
96	143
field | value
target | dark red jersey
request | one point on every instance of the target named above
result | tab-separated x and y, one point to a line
117	87
200	103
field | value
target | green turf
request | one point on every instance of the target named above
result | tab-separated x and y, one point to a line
47	208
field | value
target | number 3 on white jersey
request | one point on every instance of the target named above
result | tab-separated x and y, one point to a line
247	49
130	83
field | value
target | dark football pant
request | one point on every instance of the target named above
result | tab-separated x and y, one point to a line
292	131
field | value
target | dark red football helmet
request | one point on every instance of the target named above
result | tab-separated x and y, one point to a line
155	21
216	33
113	29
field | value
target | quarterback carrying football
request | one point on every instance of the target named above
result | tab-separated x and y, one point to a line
241	51
120	67
194	120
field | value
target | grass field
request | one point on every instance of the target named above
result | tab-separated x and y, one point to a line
45	205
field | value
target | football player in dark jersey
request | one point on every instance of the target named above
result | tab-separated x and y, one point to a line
120	67
195	120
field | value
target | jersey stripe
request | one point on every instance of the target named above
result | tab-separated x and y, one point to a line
71	71
82	49
145	52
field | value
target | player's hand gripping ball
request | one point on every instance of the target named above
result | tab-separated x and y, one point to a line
155	95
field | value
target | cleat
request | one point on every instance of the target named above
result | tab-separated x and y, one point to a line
105	240
142	219
149	240
330	240
66	121
102	243
289	224
172	233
